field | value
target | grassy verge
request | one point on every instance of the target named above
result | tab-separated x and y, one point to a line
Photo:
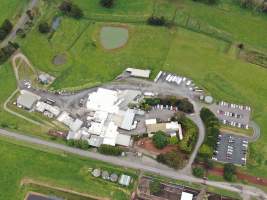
238	131
61	170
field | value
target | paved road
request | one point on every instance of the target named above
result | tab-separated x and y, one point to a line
243	190
256	131
20	23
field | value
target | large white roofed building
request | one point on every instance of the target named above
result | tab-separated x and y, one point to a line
103	100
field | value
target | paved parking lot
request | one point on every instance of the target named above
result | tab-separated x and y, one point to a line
231	149
232	114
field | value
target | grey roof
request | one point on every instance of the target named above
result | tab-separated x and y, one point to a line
114	177
27	100
105	175
76	125
95	141
128	120
125	180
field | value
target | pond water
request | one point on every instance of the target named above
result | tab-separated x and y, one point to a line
112	37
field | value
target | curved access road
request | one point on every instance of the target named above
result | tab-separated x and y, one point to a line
256	131
241	189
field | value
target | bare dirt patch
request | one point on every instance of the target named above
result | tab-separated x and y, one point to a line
147	144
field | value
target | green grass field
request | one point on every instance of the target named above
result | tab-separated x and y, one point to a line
56	169
11	9
178	50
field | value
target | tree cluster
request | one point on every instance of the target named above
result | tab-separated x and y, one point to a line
212	127
183	105
44	27
110	150
172	159
5	29
81	144
70	9
229	172
107	3
258	5
209	2
156	21
198	172
160	140
154	187
190	131
7	51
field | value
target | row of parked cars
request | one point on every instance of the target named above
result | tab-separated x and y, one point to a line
234	106
235	124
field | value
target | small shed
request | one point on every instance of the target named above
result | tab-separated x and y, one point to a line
114	177
208	99
105	175
96	172
124	180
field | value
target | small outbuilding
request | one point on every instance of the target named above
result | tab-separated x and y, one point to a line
138	72
105	175
186	196
208	99
114	177
96	172
124	180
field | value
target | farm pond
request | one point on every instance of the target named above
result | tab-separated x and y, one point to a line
113	37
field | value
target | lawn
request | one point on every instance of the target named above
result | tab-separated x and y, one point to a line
56	169
11	9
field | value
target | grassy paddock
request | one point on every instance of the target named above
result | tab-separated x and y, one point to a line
67	171
11	9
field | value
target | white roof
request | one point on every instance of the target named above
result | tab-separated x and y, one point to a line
103	100
65	118
96	128
151	121
95	141
110	134
76	125
123	140
139	72
74	135
42	106
186	196
172	126
128	119
125	180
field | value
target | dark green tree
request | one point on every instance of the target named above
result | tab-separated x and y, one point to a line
155	187
107	3
198	172
44	27
160	140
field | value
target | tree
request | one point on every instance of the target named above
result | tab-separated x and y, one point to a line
172	159
2	34
44	27
229	172
155	187
156	21
198	172
107	3
185	105
76	12
208	163
160	140
110	150
70	9
7	26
